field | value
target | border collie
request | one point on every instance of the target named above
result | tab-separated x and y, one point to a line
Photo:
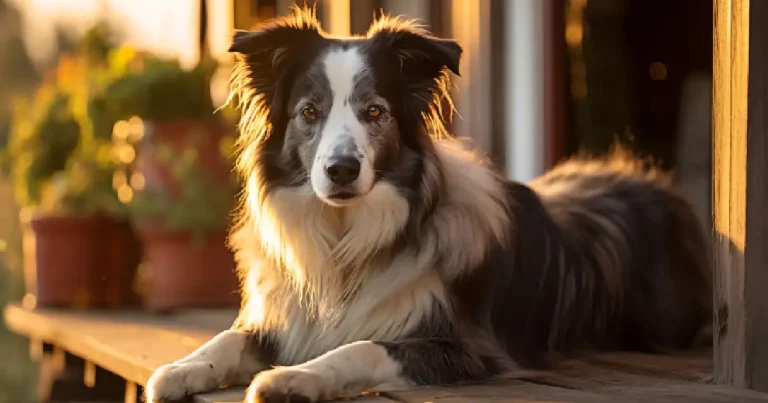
378	253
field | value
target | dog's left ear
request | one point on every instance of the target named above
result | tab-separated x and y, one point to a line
419	52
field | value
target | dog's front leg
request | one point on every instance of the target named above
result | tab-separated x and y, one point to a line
367	366
232	357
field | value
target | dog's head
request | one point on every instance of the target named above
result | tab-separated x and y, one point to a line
340	114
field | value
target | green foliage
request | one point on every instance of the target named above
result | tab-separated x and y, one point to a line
44	135
60	144
201	207
161	90
86	186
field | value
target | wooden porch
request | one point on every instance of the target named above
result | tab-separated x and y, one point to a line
108	357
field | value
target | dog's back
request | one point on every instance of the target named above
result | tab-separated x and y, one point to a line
606	256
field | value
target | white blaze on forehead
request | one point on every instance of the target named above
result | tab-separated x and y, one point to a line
343	127
342	66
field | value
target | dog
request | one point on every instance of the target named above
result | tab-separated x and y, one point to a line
376	252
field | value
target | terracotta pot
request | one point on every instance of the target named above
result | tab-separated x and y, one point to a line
203	137
122	259
188	273
83	261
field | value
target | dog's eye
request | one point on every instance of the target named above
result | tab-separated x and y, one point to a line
374	111
309	113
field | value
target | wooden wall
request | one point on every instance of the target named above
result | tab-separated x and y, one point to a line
740	194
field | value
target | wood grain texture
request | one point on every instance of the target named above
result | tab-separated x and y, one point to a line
613	382
756	257
510	391
740	187
236	395
133	344
129	344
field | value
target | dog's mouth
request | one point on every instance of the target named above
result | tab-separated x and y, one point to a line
340	199
342	196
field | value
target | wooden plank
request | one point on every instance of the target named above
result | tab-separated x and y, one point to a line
236	395
740	193
623	386
129	344
133	344
509	391
233	395
35	349
692	367
89	374
615	377
131	393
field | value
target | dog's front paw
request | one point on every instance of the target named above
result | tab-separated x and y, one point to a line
289	384
177	382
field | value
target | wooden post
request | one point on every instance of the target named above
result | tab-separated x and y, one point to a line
740	197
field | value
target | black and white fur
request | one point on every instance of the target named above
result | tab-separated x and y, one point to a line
378	253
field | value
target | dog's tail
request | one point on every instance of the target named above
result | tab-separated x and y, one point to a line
635	266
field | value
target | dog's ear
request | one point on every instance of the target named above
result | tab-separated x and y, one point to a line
272	55
418	52
272	46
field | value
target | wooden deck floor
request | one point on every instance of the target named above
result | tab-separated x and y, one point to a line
132	344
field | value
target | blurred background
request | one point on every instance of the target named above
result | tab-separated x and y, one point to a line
100	97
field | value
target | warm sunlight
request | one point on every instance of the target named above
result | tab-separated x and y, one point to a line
383	201
167	27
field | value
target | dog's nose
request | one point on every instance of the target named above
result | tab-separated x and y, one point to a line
343	170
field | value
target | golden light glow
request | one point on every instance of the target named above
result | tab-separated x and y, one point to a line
29	301
579	90
136	132
121	130
227	146
657	71
137	181
574	33
118	179
25	215
575	28
339	17
125	194
126	154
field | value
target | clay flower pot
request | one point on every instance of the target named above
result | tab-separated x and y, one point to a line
188	273
84	261
203	137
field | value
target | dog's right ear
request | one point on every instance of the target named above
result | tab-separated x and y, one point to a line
271	55
270	47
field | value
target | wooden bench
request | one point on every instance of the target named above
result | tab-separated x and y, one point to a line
108	356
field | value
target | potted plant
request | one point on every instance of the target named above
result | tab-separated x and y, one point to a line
59	153
184	236
176	108
182	204
85	255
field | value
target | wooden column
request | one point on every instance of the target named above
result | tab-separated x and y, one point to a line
740	197
555	73
471	28
524	88
336	17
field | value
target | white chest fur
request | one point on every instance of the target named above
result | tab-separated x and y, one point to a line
378	316
319	282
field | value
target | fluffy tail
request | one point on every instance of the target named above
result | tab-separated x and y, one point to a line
635	269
